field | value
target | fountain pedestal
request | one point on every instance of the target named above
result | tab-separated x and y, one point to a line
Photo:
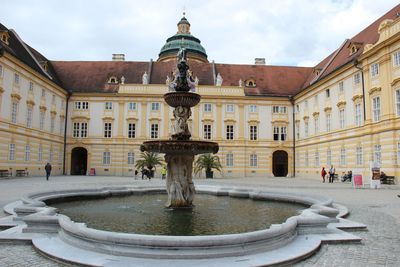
180	150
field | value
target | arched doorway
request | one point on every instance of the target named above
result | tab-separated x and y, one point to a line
78	161
280	163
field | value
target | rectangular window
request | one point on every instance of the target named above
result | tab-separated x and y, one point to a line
62	121
75	130
396	59
306	163
131	158
342	118
53	99
398	102
29	111
229	132
230	108
43	93
40	153
282	109
11	152
1	71
297	130
207	131
252	108
31	87
84	129
106	158
253	160
306	129
328	122
306	104
328	157
341	87
283	133
398	153
359	155
155	106
154	131
41	119
132	106
376	108
27	153
16	78
327	93
316	125
52	124
229	160
51	155
343	157
358	118
374	69
107	129
108	105
357	78
14	112
131	130
377	154
276	133
297	108
253	132
275	109
78	105
316	159
207	107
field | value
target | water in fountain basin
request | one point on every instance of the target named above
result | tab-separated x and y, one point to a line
145	214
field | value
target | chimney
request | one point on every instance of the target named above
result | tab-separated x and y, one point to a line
259	61
118	57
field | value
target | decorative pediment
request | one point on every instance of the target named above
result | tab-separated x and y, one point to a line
253	121
328	109
384	24
42	108
108	118
341	103
79	118
30	102
53	112
280	121
315	114
297	121
207	120
227	120
132	119
4	36
395	81
306	118
374	90
16	96
1	89
357	97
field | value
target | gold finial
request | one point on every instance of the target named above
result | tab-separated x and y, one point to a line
184	11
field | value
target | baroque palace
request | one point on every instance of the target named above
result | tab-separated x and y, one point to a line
268	120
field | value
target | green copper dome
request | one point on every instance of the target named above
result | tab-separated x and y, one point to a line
183	39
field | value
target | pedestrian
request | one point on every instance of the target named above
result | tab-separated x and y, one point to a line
331	173
143	171
323	174
136	173
48	170
163	173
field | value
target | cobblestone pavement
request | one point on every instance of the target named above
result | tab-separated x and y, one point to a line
378	209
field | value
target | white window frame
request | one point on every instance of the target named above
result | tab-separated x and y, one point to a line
42	118
40	153
84	129
29	112
27	153
397	100
328	157
1	71
306	159
376	108
359	156
341	87
253	132
132	106
328	122
230	132
229	160
14	111
108	105
306	129
275	109
252	108
316	125
154	131
131	130
106	158
343	156
107	130
62	122
342	118
378	154
155	106
276	133
298	130
253	160
31	86
398	153
16	79
207	107
396	59
230	108
374	70
52	124
358	114
131	158
207	131
11	152
75	129
316	158
357	78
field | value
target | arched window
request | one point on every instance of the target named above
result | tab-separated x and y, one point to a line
250	83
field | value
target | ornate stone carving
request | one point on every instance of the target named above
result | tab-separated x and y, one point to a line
219	80
145	78
181	129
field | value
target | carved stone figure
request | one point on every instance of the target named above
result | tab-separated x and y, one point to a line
167	81
219	80
196	81
145	79
122	80
240	83
181	129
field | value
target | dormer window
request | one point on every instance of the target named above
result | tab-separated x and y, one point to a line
112	79
317	71
44	65
354	47
250	83
4	36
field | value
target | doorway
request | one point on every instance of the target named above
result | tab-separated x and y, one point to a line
280	163
78	161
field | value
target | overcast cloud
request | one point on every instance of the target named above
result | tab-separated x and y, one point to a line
285	32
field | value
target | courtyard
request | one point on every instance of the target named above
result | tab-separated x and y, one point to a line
378	209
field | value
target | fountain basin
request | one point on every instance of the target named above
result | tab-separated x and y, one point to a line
180	147
184	99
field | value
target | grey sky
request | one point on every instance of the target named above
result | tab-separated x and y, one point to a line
285	32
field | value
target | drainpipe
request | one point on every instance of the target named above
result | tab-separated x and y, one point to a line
355	62
65	131
294	136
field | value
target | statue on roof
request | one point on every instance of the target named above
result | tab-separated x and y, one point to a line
145	78
219	80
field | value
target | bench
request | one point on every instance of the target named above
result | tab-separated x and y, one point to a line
20	173
5	173
388	180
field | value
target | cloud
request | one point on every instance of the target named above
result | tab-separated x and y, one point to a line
287	32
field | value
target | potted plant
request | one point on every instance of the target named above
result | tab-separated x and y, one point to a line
207	162
149	160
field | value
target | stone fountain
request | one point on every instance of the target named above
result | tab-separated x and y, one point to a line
180	150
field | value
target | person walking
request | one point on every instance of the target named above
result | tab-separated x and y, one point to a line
136	173
48	170
331	173
163	173
323	174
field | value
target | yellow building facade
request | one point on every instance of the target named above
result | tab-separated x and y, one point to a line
268	120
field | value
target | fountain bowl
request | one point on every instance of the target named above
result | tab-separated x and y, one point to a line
181	147
184	99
